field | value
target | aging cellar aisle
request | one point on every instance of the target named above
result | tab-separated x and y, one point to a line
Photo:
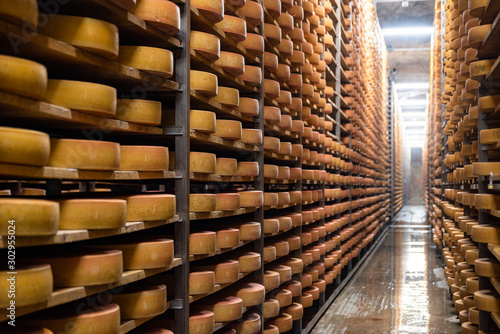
401	288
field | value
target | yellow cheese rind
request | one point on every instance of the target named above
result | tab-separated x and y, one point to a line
148	302
151	207
139	111
202	242
228	129
227	167
201	282
202	202
90	98
92	35
207	45
204	83
212	9
143	158
231	62
202	121
229	97
234	27
145	253
148	59
33	285
84	154
23	13
24	147
201	162
201	322
162	14
21	76
32	217
92	214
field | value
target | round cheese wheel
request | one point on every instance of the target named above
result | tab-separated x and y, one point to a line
152	60
248	168
254	44
283	72
250	231
285	223
284	171
202	121
234	27
162	14
202	202
20	76
283	198
84	154
86	97
283	296
284	271
271	280
273	7
271	226
201	162
249	262
271	171
293	242
38	217
231	62
32	285
253	13
272	114
269	254
204	83
252	76
312	290
202	242
285	47
271	199
252	136
307	300
485	233
21	13
272	33
251	199
201	282
306	280
25	147
250	324
142	302
84	267
92	214
150	207
296	310
487	300
225	272
285	99
226	309
139	111
249	106
271	88
487	267
284	322
228	201
86	33
228	129
205	44
226	167
143	158
213	10
270	61
98	319
270	308
295	264
252	294
228	238
272	144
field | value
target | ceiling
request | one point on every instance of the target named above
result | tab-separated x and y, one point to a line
409	57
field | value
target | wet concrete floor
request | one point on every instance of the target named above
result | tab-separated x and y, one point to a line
400	289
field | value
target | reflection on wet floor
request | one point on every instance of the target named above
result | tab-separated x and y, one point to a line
400	289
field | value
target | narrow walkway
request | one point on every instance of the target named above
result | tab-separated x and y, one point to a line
400	289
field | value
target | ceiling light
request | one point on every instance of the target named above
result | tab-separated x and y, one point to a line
398	31
416	102
412	85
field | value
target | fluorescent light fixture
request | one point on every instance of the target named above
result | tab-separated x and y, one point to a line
412	86
415	102
401	31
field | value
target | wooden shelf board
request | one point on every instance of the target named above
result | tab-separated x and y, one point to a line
205	102
273	155
280	132
491	43
217	287
210	140
219	214
218	178
218	251
68	236
273	181
66	295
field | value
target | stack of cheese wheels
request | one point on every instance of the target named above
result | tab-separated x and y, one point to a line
163	14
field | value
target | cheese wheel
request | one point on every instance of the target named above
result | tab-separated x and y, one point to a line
205	44
271	226
201	282
296	310
228	129
271	88
285	47
306	280
150	207
283	171
21	13
271	199
283	72
162	14
86	33
202	202
250	324
143	302
204	83
253	13
231	62
251	199
272	33
92	214
269	254
272	114
250	231
487	267
249	262
225	272
271	280
284	271
202	121
270	61
32	285
307	300
285	99
139	111
249	106
24	147
201	322
90	320
228	201
248	168
284	322
487	300
283	296
213	10
38	217
252	136
226	167
270	171
20	76
226	309
152	60
143	158
86	97
272	144
485	233
84	267
293	242
234	27
487	201
145	253
270	308
202	242
201	162
294	263
254	44
252	294
84	154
